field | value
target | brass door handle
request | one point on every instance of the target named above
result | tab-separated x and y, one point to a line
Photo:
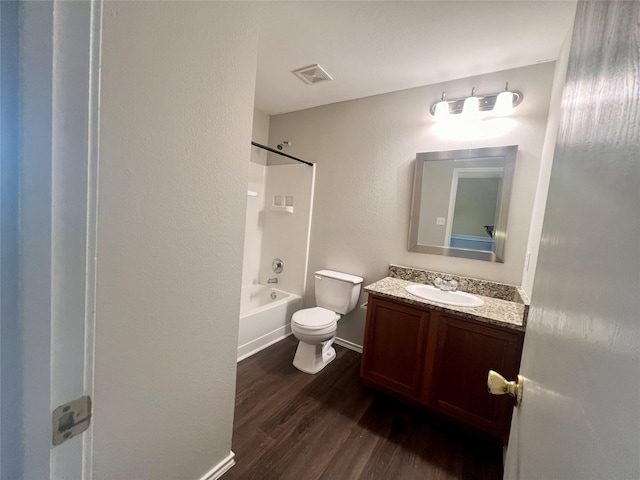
498	385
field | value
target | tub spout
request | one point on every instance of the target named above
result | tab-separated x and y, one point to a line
273	280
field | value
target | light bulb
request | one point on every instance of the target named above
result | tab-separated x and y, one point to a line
441	111
470	110
504	104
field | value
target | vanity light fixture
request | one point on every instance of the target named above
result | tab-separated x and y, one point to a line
504	103
496	103
441	109
471	106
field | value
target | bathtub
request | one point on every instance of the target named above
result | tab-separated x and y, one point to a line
264	320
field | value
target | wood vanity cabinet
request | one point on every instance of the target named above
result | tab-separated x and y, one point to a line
441	361
466	350
396	335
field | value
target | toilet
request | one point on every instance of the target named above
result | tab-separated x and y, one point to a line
336	294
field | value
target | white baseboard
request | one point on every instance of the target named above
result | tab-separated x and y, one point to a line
221	468
248	349
245	351
347	344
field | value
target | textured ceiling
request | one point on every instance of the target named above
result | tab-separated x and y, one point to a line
373	47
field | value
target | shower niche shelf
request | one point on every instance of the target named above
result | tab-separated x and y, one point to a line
282	203
282	208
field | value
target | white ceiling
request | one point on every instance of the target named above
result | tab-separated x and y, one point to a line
372	47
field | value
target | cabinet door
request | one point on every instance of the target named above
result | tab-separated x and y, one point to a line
466	351
394	346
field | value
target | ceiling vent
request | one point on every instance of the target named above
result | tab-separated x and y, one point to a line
312	74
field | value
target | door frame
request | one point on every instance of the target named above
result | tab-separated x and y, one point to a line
11	451
59	62
468	172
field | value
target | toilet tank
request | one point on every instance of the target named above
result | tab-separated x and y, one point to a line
337	291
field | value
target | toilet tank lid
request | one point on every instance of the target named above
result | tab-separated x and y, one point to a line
345	277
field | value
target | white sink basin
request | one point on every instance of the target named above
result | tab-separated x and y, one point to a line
458	299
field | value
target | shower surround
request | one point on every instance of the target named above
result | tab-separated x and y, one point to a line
272	231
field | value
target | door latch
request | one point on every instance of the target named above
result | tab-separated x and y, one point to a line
71	419
498	385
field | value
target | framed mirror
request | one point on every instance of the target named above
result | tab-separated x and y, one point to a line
460	202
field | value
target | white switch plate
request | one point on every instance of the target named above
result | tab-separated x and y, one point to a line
440	220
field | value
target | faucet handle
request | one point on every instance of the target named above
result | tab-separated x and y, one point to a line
277	265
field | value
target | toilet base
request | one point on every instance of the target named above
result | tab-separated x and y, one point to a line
313	358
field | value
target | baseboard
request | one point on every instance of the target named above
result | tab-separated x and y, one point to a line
245	351
347	344
221	468
263	342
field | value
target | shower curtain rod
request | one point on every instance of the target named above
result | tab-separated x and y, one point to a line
269	149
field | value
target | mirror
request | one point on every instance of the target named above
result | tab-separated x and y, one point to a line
461	202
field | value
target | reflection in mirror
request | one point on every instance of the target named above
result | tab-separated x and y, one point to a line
461	201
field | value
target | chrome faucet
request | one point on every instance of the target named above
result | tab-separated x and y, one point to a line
273	280
445	285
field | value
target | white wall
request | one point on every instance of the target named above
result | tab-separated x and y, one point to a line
546	163
177	99
365	152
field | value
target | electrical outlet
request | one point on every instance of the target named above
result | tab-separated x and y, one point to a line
440	220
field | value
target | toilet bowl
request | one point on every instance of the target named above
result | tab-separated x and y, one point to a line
315	328
336	293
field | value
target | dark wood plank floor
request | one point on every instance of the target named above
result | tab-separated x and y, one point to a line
291	425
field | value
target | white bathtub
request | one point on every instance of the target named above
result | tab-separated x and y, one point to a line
264	320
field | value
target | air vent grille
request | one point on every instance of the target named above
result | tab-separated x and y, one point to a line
312	74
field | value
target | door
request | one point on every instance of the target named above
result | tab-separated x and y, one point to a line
580	413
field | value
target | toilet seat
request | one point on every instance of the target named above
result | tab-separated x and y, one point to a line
315	318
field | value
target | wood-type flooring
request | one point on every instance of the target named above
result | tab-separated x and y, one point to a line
291	425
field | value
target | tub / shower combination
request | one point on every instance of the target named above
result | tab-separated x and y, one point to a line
265	317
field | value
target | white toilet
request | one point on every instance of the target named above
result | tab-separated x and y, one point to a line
336	294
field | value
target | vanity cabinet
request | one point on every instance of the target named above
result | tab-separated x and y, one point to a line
396	336
441	361
466	350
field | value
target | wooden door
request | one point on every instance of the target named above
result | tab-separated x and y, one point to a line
580	413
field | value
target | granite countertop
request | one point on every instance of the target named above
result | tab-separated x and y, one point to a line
495	311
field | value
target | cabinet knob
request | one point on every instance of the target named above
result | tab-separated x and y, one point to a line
498	385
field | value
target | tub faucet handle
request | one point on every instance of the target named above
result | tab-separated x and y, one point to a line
277	265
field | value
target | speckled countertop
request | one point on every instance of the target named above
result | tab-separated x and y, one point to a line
497	311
